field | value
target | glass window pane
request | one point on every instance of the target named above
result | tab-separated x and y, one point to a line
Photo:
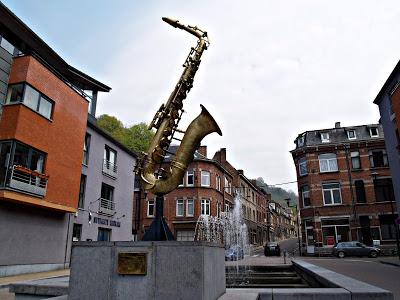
31	97
326	186
336	196
7	46
327	197
327	156
21	155
15	93
37	161
190	207
333	165
5	154
323	165
45	107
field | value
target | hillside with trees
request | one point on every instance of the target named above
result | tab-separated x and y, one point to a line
136	137
278	194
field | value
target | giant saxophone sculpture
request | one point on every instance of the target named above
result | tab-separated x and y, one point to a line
166	122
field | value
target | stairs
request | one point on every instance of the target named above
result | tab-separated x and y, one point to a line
274	276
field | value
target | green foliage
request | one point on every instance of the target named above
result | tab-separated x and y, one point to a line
278	194
137	138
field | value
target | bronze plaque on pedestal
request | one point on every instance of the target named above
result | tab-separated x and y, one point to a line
131	263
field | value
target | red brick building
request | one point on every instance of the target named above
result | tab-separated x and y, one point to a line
208	188
345	188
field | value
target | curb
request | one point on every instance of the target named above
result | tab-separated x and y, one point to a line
390	263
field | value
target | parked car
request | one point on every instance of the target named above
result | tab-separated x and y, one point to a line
355	249
234	253
272	248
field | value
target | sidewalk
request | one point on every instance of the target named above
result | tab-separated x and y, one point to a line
5	281
392	260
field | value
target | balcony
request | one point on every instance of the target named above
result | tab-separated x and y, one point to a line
106	207
109	168
28	181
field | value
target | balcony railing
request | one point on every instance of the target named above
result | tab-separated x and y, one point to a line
28	181
106	207
109	168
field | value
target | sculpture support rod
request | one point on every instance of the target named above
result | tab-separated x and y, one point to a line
159	230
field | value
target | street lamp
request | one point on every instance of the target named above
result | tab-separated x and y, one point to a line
298	223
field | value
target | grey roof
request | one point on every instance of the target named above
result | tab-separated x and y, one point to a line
338	135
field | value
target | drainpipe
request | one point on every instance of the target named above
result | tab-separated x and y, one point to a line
346	150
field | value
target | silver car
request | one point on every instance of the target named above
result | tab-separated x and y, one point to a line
355	249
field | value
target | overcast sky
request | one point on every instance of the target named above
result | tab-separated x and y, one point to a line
274	69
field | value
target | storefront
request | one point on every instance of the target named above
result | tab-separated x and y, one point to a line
335	230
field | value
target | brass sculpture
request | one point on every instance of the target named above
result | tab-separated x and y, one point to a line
166	122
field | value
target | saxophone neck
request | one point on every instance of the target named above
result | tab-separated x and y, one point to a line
200	34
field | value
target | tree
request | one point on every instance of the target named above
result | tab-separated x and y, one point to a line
136	138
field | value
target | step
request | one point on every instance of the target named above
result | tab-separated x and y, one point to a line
267	274
266	280
294	286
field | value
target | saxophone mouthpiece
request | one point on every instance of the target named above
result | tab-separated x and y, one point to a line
170	21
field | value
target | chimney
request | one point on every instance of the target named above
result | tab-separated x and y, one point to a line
337	125
202	150
223	154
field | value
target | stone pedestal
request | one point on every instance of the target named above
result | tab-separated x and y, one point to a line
174	270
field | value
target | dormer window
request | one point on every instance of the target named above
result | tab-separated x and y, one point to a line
300	141
351	135
373	132
325	137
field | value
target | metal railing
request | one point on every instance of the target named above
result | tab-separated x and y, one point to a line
109	168
106	206
28	181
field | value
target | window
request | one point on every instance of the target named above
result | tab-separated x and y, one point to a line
190	178
218	183
331	193
300	141
6	45
104	234
303	166
383	190
179	208
183	181
189	207
388	227
378	158
351	134
82	191
219	209
86	146
185	235
110	156
77	232
5	155
360	191
327	162
107	192
227	208
355	160
205	178
150	208
205	207
15	93
29	158
228	187
374	132
325	137
305	194
24	93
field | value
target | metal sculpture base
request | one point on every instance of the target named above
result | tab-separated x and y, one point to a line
159	230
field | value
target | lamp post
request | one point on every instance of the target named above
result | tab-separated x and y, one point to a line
298	223
374	176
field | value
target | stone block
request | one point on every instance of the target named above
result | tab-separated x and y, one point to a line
311	293
175	270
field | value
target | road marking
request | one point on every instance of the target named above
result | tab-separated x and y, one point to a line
256	255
